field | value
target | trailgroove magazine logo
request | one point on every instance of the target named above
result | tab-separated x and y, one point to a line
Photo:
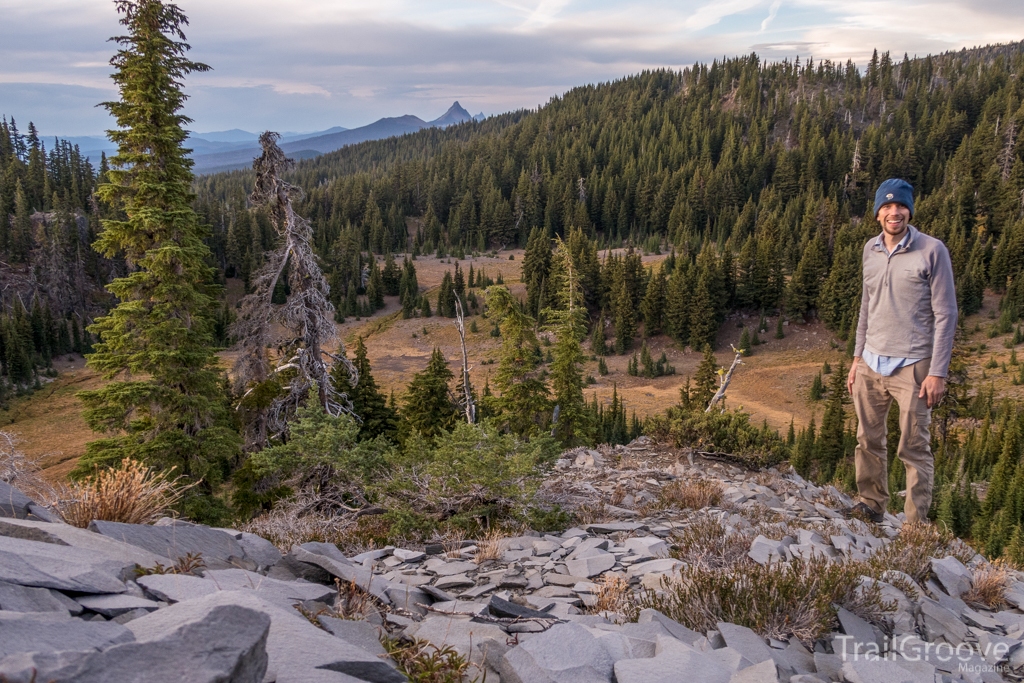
962	658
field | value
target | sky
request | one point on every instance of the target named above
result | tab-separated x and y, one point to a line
304	65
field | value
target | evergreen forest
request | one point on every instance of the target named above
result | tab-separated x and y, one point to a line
755	179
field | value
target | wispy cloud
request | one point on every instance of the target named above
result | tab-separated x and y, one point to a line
312	64
773	11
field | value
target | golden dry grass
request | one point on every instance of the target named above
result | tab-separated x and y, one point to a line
989	589
490	547
132	494
611	594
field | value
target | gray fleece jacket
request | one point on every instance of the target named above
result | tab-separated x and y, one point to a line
908	303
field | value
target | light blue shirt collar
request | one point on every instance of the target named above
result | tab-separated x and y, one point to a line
902	246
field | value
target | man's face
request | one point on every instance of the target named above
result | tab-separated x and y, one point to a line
894	218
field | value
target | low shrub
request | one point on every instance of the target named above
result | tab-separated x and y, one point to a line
691	494
778	600
728	433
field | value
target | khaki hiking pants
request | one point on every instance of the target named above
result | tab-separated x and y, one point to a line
872	396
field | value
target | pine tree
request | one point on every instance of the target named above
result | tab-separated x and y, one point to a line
831	443
368	403
446	296
705	380
574	424
653	305
598	344
428	406
375	287
745	342
161	329
625	318
391	276
522	406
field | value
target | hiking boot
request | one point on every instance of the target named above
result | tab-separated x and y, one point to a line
863	512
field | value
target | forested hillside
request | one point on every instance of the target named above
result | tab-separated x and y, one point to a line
756	178
759	176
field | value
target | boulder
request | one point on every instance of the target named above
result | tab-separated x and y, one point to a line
15	598
175	541
956	579
63	567
14	503
115	605
678	666
565	652
199	642
52	631
746	642
176	587
591	565
298	651
350	573
116	555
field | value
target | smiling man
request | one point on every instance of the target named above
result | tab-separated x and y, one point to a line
908	316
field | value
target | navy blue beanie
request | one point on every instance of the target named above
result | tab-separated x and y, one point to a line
895	190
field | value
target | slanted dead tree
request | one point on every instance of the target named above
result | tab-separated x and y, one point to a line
300	330
468	405
724	379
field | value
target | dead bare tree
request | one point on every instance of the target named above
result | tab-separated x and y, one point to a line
724	379
467	399
300	329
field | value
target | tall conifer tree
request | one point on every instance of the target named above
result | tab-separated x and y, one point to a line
167	405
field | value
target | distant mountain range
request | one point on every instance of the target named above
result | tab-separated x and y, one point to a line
228	150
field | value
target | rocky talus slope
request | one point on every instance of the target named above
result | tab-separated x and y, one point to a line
100	604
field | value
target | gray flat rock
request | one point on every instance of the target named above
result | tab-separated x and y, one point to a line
883	671
298	651
280	593
363	578
613	527
53	631
955	578
765	672
114	552
939	622
686	666
176	587
460	633
218	549
362	634
115	605
63	567
665	565
565	652
15	598
746	642
453	568
591	565
199	643
258	549
15	504
861	636
456	581
674	628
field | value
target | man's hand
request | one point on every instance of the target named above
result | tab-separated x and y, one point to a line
853	374
933	388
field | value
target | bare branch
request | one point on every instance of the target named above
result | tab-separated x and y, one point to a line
725	378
